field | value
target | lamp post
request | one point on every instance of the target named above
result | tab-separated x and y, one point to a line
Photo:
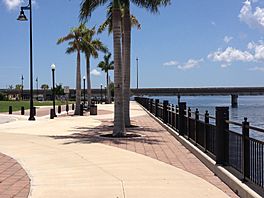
53	66
101	93
84	78
137	73
22	87
37	87
22	17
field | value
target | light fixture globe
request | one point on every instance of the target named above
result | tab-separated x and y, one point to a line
22	16
84	78
53	66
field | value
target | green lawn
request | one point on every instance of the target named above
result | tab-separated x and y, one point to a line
16	105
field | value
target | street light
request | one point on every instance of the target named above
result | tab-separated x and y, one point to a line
37	87
22	87
22	17
84	78
53	66
101	94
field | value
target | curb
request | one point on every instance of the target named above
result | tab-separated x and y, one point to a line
229	179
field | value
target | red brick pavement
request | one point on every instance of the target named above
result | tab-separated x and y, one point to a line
14	181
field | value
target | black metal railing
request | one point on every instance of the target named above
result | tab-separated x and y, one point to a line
215	136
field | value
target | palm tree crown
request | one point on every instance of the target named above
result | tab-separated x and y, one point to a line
106	65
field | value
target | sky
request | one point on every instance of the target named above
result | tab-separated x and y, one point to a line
187	44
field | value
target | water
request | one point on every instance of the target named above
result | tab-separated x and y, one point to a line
251	107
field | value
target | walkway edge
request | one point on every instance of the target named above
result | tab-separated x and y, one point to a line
234	183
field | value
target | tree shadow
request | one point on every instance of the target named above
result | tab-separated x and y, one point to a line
88	135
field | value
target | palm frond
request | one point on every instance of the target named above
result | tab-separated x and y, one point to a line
88	6
151	5
65	38
70	50
135	22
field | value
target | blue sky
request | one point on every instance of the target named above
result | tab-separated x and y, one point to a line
188	44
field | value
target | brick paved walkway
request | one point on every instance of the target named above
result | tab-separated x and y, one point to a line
156	143
14	181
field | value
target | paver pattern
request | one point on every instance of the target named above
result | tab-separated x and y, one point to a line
14	181
155	142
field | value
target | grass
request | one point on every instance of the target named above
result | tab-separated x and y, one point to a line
16	105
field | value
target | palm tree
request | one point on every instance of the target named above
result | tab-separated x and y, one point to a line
18	87
87	7
74	38
105	66
90	47
44	87
125	66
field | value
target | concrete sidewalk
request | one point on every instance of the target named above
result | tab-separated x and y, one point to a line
63	167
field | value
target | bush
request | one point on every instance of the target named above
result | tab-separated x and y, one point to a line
3	96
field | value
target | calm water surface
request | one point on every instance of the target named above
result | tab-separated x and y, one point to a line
251	107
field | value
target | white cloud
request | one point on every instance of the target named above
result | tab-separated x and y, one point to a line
258	49
227	39
190	64
170	63
213	23
12	4
224	65
94	72
253	18
230	55
261	69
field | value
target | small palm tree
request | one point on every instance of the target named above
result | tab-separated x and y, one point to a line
44	87
90	47
105	66
74	38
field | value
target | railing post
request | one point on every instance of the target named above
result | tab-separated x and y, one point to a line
151	106
206	122
222	141
182	109
177	117
196	125
171	115
246	149
189	115
156	107
165	111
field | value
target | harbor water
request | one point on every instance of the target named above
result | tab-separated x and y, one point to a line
251	107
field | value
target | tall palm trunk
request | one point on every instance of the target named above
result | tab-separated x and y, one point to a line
108	88
119	126
88	69
78	84
126	65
